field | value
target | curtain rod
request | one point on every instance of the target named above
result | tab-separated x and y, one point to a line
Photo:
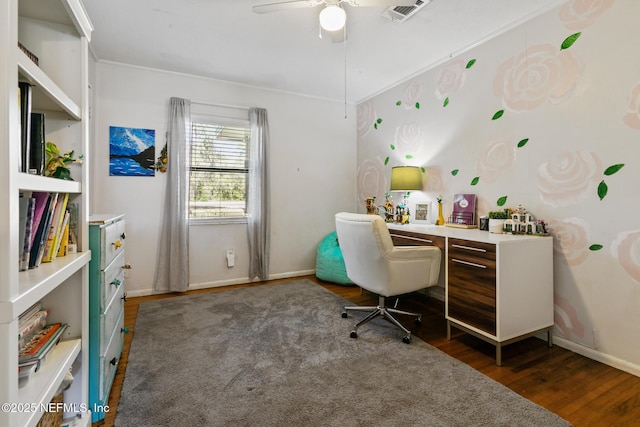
239	107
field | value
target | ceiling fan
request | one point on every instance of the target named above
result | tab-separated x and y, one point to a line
332	15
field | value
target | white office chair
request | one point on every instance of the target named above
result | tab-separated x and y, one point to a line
373	263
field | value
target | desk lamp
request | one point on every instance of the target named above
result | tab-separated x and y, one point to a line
406	178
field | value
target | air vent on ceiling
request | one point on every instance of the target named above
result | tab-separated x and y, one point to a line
402	13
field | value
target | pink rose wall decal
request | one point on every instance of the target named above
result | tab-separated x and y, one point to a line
632	118
626	248
411	98
570	240
497	159
408	140
371	180
450	79
366	118
566	318
579	14
539	74
567	179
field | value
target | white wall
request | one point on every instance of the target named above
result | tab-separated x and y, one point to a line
579	110
313	164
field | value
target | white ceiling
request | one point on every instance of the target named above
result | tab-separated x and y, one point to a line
225	40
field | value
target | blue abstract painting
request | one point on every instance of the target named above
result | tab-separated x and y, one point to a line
131	151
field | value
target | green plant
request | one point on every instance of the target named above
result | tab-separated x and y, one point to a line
57	163
499	215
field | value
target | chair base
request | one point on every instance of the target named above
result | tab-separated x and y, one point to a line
382	310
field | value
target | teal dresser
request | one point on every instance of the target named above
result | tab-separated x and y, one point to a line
106	306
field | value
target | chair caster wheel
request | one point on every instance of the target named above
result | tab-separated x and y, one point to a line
354	334
406	340
418	322
344	315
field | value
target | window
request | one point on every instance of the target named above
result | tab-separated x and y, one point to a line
218	169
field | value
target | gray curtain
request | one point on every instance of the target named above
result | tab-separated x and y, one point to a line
172	272
258	203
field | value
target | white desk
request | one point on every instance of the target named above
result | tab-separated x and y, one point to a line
498	287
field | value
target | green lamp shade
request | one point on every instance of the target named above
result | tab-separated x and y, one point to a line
405	178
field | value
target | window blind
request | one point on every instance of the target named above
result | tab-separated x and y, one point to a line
218	171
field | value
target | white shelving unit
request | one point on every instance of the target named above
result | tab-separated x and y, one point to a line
58	33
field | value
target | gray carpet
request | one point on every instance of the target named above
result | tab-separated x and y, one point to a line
280	355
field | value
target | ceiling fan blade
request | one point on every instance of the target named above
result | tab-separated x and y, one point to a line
294	4
386	3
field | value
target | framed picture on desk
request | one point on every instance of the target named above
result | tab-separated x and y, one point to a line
421	213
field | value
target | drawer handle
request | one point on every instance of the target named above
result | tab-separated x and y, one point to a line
472	264
117	244
124	297
127	266
116	282
123	235
124	330
114	361
453	245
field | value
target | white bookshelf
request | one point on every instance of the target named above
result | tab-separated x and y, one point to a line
58	33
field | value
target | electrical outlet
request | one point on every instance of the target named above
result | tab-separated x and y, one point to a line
231	258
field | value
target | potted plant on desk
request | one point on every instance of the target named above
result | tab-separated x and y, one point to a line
496	221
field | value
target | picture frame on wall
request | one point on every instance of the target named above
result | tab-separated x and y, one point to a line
421	213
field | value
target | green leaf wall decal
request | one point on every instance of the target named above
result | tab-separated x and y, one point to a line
423	169
418	105
475	180
523	142
375	126
602	190
455	172
501	201
470	64
386	161
399	103
393	147
379	121
569	41
613	169
446	102
409	157
595	247
497	115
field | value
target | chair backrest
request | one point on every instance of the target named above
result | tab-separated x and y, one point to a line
372	261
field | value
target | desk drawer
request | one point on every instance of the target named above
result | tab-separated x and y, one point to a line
471	286
407	238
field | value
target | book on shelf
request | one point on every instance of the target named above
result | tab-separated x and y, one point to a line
37	249
37	154
41	343
64	239
34	324
29	312
41	202
51	246
73	224
60	235
24	89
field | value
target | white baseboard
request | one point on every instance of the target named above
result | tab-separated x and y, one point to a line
598	356
220	283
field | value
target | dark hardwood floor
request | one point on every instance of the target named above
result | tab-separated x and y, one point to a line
580	390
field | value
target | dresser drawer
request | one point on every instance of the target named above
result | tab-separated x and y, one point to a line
110	359
109	320
111	280
471	285
113	242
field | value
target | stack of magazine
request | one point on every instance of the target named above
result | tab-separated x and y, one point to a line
36	338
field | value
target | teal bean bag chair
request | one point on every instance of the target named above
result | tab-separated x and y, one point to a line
329	262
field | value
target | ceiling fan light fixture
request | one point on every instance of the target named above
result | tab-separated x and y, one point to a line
332	18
